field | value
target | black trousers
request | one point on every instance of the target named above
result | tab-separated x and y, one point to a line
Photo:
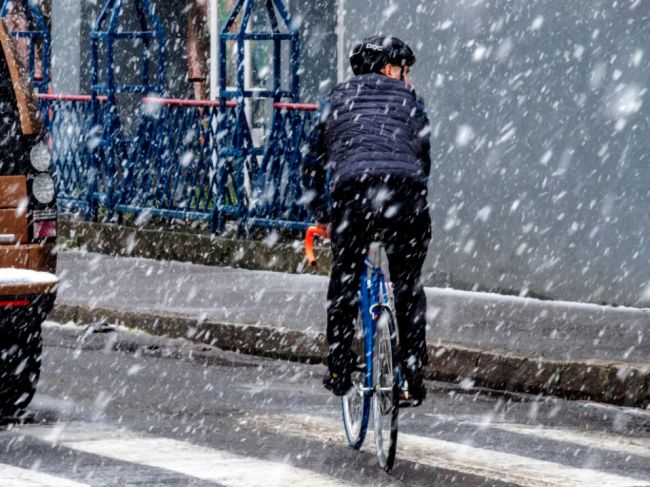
398	211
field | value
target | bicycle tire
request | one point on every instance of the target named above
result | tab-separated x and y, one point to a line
386	394
355	405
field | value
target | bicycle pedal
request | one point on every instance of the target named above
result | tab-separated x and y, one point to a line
406	400
409	403
404	397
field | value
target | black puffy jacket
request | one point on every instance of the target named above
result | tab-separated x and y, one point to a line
370	126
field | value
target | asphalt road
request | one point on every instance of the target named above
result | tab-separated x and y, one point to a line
123	408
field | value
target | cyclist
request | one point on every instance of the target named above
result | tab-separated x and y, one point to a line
373	134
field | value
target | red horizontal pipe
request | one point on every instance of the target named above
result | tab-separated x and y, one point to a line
307	107
14	303
187	103
176	102
56	97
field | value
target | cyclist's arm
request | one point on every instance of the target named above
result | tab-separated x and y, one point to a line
423	139
314	172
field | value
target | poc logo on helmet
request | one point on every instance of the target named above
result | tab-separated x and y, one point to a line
374	47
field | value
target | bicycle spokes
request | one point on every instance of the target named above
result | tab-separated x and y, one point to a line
356	404
385	398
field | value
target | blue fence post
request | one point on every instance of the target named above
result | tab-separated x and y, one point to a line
113	148
281	31
38	30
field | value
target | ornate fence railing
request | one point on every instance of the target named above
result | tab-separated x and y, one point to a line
178	166
276	190
73	128
186	160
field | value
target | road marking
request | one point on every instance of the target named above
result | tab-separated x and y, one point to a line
588	439
11	476
191	460
504	467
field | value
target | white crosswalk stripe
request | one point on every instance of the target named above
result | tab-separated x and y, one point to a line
494	465
11	476
229	469
181	457
589	439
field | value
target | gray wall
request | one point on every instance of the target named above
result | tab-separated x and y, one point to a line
316	21
541	175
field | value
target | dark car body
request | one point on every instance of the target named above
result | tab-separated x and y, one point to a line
28	228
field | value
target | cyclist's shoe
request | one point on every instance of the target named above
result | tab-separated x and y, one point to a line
414	392
339	384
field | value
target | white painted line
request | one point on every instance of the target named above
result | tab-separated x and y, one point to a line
195	461
588	439
494	465
11	476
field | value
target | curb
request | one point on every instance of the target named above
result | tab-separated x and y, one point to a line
618	383
197	248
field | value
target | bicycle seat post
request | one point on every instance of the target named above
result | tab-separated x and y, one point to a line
375	252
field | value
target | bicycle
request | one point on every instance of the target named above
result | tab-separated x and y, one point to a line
378	378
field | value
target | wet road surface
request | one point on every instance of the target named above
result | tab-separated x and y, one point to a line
124	408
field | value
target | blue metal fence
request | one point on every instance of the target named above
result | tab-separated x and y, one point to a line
73	137
277	192
184	162
187	159
280	32
178	166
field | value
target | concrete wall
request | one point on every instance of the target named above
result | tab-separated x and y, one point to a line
541	175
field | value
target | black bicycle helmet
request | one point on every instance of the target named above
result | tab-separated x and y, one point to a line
373	53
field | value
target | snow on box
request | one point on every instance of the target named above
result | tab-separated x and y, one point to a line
12	276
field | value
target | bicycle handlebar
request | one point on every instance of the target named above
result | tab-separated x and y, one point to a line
309	242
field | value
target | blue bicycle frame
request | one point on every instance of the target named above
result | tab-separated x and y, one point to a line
373	295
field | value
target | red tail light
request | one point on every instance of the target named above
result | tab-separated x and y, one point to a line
45	229
14	303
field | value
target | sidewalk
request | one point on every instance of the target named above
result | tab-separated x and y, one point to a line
580	351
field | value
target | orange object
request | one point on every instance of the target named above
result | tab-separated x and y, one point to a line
309	242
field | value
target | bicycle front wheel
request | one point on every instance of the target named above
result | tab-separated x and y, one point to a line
386	396
356	403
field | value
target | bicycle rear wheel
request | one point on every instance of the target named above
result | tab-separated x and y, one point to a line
386	396
356	404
